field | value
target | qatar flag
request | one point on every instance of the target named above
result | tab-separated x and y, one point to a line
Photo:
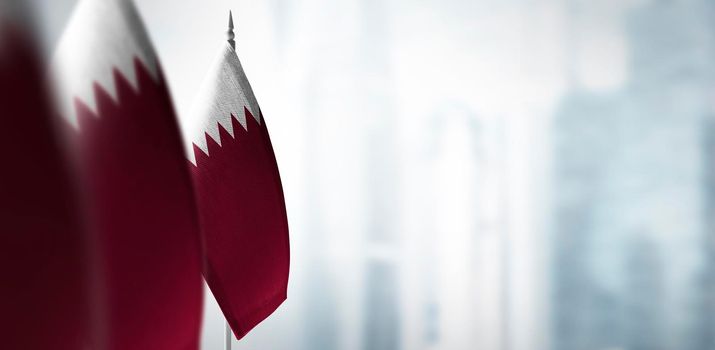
44	291
141	211
239	195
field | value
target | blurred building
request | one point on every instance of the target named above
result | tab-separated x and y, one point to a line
578	302
382	318
453	266
630	211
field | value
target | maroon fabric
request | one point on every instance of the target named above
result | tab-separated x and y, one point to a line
143	216
243	220
43	293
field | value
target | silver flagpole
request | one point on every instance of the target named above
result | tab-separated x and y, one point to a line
228	334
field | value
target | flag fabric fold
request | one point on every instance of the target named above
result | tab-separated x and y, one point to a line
140	204
239	196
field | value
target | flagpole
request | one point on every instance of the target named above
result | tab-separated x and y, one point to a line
227	336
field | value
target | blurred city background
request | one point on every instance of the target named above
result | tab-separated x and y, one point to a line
475	174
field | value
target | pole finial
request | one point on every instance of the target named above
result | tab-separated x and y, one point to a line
230	33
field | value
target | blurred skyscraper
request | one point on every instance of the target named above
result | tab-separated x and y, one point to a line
630	222
452	266
381	322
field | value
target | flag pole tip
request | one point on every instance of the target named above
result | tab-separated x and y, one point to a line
231	35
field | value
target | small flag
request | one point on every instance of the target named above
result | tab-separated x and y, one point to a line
239	195
44	303
142	213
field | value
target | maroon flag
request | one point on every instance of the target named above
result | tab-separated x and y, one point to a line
141	207
239	195
43	295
